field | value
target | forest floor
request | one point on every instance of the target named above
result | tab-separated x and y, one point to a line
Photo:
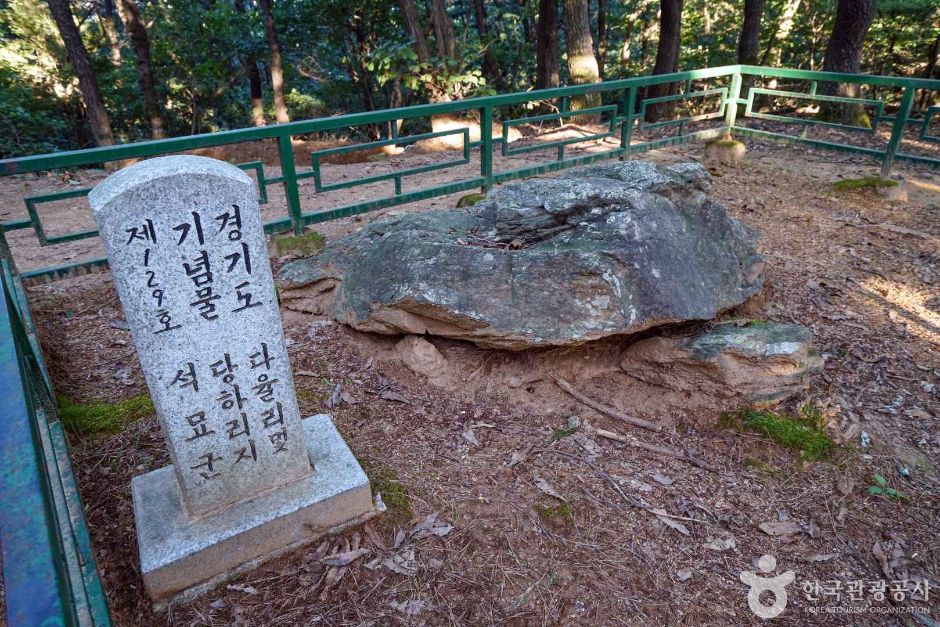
483	447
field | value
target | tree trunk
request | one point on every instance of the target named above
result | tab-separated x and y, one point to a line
95	110
749	41
413	27
141	42
490	65
546	46
601	37
254	81
929	71
844	54
667	58
443	31
277	70
582	64
108	18
257	96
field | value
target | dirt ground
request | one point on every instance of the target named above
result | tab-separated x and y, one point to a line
533	523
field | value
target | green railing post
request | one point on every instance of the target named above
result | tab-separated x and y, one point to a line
289	172
897	133
486	147
731	112
626	132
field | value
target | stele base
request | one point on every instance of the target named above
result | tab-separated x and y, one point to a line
181	558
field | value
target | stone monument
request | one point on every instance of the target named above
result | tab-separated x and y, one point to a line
249	479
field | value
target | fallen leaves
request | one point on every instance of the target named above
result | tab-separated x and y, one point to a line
402	560
391	395
672	523
431	526
411	607
785	529
345	558
548	488
720	544
403	563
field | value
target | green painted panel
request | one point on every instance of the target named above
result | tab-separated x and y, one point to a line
397	175
563	115
756	91
705	93
925	128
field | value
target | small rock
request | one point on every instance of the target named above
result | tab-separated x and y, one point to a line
421	356
763	362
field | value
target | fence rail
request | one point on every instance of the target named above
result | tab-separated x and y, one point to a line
48	567
622	114
49	574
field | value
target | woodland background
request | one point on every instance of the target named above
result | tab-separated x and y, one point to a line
75	74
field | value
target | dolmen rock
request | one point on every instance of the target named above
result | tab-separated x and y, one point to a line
606	250
250	479
759	363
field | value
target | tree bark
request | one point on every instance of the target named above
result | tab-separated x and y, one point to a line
257	95
667	57
413	27
254	81
601	37
141	42
108	18
749	41
929	71
443	31
582	64
490	65
95	110
277	69
546	46
844	54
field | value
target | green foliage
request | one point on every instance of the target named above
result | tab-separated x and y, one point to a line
348	55
470	199
394	495
881	488
306	245
803	433
101	417
305	106
865	182
560	515
561	434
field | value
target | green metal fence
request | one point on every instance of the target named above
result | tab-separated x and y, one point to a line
49	574
735	91
48	567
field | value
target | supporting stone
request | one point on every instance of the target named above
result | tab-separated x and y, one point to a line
724	151
179	555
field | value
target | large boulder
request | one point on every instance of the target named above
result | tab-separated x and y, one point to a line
606	250
760	363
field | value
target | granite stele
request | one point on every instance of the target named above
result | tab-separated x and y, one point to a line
249	478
